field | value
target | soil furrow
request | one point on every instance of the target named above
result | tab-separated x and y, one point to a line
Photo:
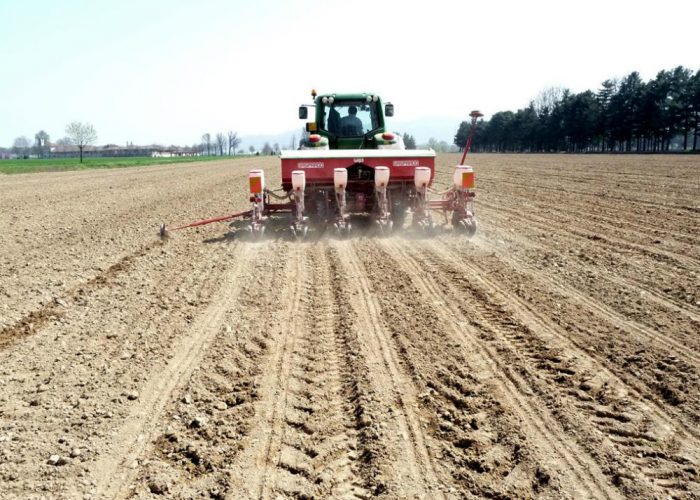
112	472
319	444
418	474
258	471
579	233
554	355
210	419
684	346
32	323
605	277
548	366
539	320
574	468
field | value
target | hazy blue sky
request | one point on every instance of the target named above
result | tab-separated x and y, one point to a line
168	71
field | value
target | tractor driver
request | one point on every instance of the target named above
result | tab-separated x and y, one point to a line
351	125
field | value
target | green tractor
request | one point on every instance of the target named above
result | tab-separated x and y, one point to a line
349	121
349	165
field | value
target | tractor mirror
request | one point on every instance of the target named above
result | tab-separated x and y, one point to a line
303	112
388	109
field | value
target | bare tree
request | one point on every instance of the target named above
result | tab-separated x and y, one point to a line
233	142
20	147
251	149
267	149
547	98
41	143
206	141
276	147
220	143
81	134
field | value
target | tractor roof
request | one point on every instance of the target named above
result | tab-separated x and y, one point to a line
346	97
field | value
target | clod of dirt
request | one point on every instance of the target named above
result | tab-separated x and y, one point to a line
158	487
57	460
198	422
131	396
543	478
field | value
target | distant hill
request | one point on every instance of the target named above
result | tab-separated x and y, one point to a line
441	128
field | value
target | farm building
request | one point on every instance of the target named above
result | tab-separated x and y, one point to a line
113	150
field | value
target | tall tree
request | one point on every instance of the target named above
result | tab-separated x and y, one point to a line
680	97
206	141
579	119
409	141
623	115
81	135
233	142
220	143
605	94
20	147
461	136
694	89
546	100
42	143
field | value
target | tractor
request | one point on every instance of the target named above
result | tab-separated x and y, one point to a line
349	166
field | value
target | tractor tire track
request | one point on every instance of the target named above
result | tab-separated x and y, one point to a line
661	303
259	461
111	472
211	416
607	240
418	475
319	448
545	437
105	327
536	318
601	216
632	433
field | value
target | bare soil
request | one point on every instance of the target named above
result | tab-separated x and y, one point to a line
555	355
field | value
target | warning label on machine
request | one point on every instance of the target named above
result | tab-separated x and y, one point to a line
406	163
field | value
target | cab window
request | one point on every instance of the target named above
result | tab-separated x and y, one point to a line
350	118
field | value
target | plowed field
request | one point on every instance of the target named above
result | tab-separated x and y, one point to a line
555	355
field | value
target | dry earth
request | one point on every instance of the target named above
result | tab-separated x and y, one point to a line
556	355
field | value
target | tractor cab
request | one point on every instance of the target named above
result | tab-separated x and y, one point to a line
346	121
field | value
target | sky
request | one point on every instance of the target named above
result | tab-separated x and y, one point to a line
166	72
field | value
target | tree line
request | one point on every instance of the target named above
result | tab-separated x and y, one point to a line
625	115
77	134
227	145
221	144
